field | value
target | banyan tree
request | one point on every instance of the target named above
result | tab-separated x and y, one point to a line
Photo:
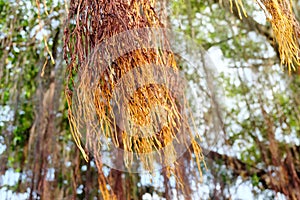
125	96
127	104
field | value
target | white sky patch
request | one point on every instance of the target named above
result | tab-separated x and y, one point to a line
217	57
2	145
10	177
8	194
50	176
147	196
6	114
2	148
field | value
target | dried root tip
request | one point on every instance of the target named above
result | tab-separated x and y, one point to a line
240	8
286	30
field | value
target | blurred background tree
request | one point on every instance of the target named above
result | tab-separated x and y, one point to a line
257	155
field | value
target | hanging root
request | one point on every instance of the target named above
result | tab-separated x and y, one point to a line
286	30
285	27
119	98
